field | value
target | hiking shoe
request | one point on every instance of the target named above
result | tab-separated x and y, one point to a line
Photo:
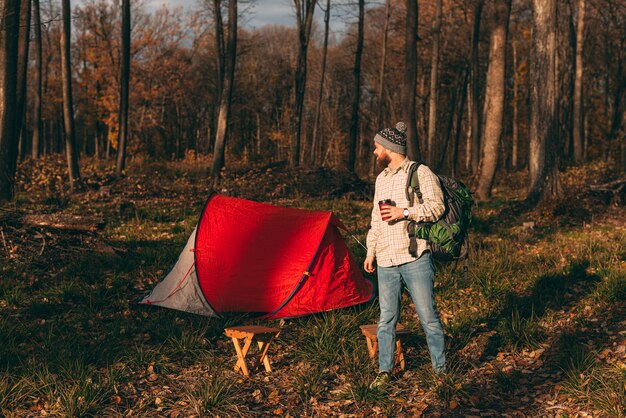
381	380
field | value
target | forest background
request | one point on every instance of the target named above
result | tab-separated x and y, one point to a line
116	122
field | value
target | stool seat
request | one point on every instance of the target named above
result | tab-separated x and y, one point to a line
371	330
371	337
263	335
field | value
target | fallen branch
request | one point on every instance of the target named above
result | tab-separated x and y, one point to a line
65	222
614	187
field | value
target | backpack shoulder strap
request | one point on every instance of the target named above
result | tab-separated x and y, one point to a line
413	183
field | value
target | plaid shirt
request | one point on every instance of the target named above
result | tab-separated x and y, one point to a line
389	242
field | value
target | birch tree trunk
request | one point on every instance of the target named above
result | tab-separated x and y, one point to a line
494	100
577	122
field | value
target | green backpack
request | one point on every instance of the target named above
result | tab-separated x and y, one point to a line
448	235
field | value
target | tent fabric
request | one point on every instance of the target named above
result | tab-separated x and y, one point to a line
180	288
276	261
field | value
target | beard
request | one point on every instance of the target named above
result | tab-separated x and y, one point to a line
383	160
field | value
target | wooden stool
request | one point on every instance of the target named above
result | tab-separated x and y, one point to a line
370	332
263	336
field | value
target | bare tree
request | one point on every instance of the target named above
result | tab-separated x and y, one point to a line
459	121
220	54
227	92
515	139
354	119
37	125
22	71
544	120
494	99
124	89
68	106
474	144
410	80
318	106
304	20
8	96
434	86
578	128
381	77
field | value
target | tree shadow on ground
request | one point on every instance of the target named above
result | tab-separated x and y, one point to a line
550	292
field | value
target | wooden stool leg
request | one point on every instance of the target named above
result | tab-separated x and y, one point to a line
370	348
399	354
241	355
263	347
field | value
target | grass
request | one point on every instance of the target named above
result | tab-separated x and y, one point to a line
310	383
612	288
517	332
329	335
595	385
74	339
13	393
447	386
75	389
214	395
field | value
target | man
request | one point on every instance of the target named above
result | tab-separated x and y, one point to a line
388	247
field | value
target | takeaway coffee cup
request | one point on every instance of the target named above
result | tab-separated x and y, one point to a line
382	204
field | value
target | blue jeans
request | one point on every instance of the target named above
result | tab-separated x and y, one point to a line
418	276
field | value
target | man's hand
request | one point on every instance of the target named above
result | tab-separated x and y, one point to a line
391	213
368	265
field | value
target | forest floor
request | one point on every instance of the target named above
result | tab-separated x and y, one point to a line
536	328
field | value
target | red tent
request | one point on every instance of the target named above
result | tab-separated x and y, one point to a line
281	262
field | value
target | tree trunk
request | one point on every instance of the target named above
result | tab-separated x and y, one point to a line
381	78
468	138
22	71
226	95
476	117
434	87
459	122
304	19
515	145
494	100
124	89
410	80
320	93
354	119
458	92
544	120
219	48
8	96
258	133
68	106
37	126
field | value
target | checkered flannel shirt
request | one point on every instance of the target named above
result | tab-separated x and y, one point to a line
389	242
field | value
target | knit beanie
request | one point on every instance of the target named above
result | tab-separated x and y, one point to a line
394	139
